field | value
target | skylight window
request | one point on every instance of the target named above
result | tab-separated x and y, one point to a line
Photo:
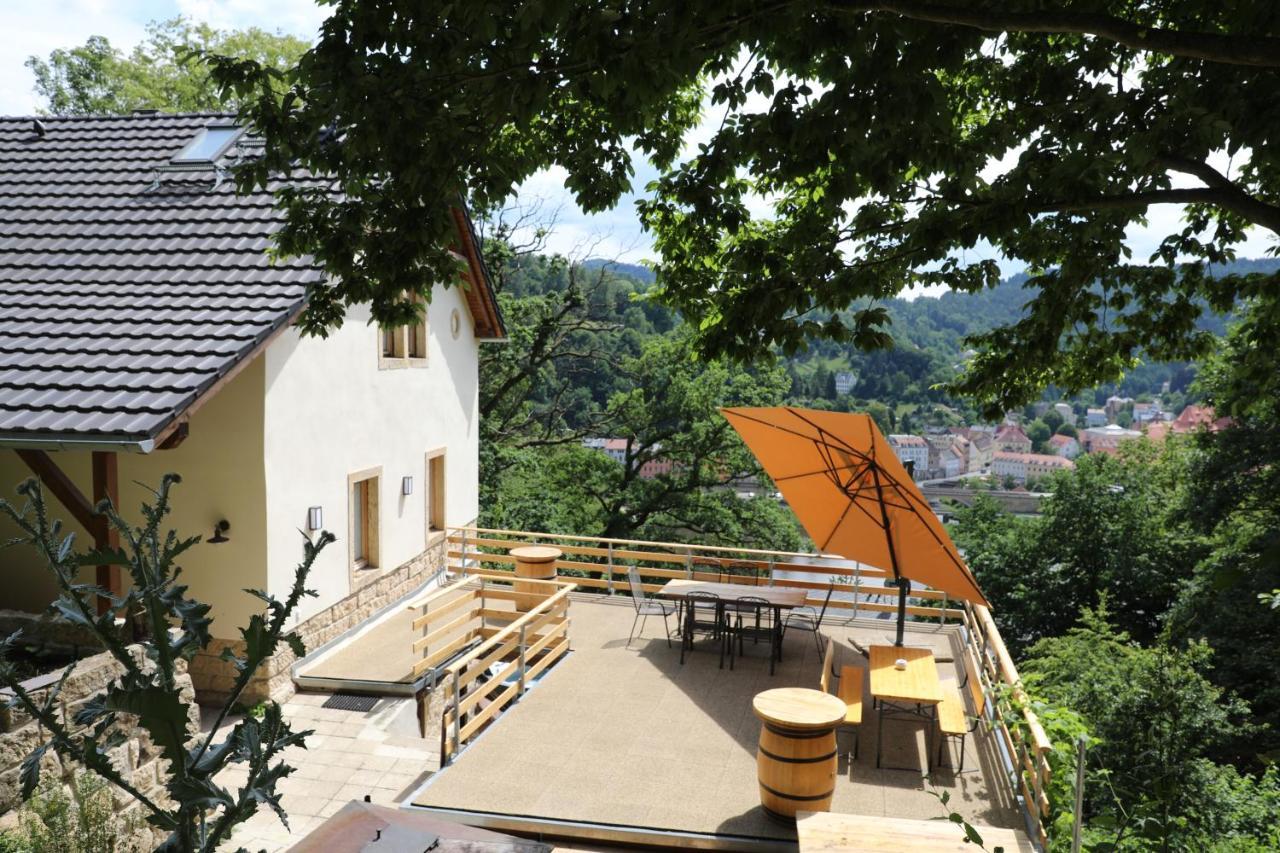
209	144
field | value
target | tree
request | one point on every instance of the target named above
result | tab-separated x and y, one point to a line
1038	431
163	72
1157	718
871	128
1052	419
1068	430
203	813
1104	530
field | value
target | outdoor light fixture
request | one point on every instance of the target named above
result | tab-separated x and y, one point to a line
406	485
315	518
219	532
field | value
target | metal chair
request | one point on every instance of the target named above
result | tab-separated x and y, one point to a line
760	611
805	618
646	607
698	606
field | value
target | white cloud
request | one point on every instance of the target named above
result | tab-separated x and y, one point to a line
297	17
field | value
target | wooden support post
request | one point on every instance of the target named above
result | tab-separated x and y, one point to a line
106	486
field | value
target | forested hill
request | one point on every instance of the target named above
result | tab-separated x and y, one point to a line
929	331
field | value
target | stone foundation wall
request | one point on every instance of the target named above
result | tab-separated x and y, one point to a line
214	678
137	757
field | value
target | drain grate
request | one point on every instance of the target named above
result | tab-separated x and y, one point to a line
350	702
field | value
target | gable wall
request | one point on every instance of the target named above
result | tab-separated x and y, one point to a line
331	412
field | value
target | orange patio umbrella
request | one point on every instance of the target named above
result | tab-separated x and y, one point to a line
853	496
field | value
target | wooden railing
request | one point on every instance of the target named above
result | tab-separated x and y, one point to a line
524	647
601	564
1024	741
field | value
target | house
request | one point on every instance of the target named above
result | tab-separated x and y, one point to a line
1027	466
145	330
1146	412
1011	439
845	382
616	449
1115	405
1195	417
1064	446
1095	417
912	450
981	450
1106	439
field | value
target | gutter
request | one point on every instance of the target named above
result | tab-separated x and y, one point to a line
127	445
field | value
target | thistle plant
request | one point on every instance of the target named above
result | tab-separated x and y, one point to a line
199	814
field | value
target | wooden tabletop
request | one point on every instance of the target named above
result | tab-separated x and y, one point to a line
798	708
827	832
778	596
536	553
917	683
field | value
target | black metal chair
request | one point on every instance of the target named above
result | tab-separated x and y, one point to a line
646	607
806	618
753	617
703	614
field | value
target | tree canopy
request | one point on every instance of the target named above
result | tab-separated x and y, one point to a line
888	140
164	72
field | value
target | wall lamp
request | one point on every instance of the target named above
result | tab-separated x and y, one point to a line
315	518
220	532
406	485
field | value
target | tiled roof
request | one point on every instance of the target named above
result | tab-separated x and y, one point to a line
128	289
1047	460
126	292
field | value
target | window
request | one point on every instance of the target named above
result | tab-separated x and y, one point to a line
208	145
362	523
435	492
404	346
417	333
392	343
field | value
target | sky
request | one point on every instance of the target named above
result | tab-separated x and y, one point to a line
40	27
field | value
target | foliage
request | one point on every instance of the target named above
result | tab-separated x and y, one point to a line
147	693
1155	716
1231	501
408	108
77	818
665	406
1102	530
160	73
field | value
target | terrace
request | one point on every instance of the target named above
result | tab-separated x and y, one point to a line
550	724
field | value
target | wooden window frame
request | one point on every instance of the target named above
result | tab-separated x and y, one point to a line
433	490
368	566
405	343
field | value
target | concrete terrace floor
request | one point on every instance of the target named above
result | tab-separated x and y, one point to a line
628	736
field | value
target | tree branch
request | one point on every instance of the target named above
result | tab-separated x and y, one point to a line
1227	49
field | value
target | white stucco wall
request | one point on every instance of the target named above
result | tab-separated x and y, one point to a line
331	411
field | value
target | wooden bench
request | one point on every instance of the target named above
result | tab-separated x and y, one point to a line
952	721
849	691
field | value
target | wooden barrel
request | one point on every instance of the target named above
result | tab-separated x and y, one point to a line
796	762
534	561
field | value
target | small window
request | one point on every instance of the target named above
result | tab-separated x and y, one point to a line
391	343
208	145
363	520
417	333
435	492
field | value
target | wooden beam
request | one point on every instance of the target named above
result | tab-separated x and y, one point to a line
106	486
61	486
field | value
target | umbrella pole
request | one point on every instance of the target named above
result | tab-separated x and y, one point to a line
904	586
903	583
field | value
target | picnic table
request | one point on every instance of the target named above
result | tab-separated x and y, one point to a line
912	693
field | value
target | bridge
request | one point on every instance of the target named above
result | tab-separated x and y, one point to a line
951	491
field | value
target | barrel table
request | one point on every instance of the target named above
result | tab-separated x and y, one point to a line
796	762
534	561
